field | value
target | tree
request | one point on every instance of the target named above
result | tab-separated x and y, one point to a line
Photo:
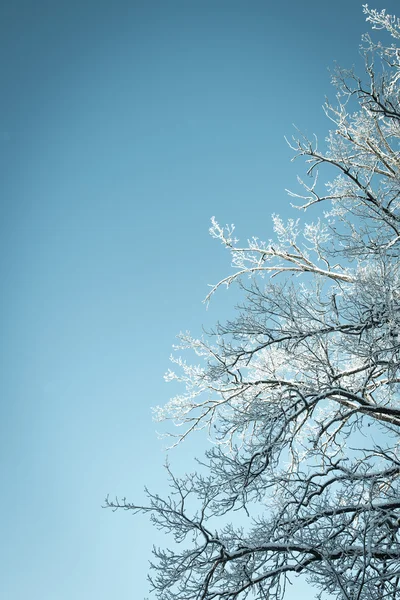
300	392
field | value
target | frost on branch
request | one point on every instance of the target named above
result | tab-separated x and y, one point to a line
299	393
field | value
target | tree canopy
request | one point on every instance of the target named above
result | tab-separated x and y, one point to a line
299	392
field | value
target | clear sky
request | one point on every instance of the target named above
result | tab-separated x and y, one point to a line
124	126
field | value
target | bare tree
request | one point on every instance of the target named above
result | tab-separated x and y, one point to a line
300	392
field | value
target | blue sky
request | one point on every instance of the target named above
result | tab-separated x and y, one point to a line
124	127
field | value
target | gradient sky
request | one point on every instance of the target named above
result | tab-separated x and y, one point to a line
124	126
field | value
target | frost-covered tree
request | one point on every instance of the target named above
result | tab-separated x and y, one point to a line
300	392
